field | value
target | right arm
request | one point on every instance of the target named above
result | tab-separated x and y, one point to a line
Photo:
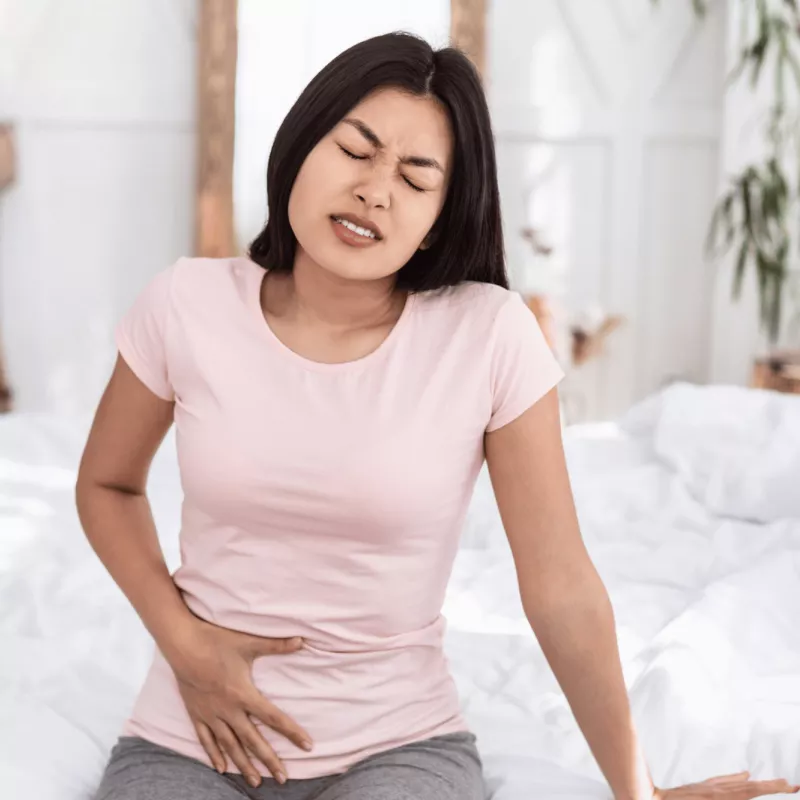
129	426
212	664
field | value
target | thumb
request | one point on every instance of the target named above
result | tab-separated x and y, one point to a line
269	646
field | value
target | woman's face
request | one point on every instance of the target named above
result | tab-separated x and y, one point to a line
384	169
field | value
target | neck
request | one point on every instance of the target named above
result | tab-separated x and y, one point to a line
316	296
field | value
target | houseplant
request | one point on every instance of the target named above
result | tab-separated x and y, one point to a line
753	217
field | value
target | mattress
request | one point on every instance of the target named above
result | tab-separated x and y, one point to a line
690	509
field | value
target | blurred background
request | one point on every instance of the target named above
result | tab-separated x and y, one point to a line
137	131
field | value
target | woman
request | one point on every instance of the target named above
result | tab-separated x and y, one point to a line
334	396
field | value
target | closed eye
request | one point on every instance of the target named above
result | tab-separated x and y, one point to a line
351	155
362	158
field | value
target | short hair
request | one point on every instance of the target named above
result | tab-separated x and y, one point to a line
466	242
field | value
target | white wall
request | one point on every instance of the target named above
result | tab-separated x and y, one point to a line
102	95
607	116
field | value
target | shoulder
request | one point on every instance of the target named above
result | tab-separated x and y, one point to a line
209	281
214	272
477	305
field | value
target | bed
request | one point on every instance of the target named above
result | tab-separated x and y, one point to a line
690	508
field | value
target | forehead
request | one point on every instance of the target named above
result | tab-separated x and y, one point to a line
410	125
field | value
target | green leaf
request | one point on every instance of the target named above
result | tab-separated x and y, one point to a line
780	180
758	49
771	277
758	54
727	213
774	310
722	214
771	200
747	205
762	271
763	16
780	63
741	263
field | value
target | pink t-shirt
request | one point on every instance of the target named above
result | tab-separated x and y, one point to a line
327	500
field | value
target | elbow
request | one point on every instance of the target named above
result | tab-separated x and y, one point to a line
83	492
84	483
81	487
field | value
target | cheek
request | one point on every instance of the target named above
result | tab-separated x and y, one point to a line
299	203
318	184
416	218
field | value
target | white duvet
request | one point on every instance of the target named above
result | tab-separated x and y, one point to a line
690	508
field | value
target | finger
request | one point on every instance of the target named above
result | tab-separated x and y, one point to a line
261	708
209	743
771	787
263	646
252	739
233	747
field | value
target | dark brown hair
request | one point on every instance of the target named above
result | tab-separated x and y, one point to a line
467	238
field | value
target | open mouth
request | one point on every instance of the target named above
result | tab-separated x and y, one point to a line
364	233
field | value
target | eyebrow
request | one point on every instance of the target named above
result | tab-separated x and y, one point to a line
372	138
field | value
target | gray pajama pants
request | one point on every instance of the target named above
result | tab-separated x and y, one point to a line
444	767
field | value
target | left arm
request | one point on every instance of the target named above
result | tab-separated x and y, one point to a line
562	594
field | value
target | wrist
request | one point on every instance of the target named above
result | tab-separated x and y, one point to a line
653	793
180	637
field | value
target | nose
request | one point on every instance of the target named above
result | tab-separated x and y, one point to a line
374	192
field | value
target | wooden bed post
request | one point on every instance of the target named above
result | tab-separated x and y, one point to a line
468	30
7	170
216	56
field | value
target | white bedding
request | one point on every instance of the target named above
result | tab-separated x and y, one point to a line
690	508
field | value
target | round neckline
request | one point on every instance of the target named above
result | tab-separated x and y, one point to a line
307	363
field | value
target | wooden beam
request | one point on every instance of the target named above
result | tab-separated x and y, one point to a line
217	49
7	161
7	173
6	395
468	30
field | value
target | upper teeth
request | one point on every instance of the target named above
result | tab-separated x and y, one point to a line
356	228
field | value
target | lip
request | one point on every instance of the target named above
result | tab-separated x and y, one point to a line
361	222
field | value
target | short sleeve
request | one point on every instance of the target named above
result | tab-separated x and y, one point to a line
141	335
523	367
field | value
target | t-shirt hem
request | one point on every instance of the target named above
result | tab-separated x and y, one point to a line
301	769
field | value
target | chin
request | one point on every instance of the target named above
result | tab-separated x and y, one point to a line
354	272
350	267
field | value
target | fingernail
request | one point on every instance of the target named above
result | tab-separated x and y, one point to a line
253	781
281	778
307	744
